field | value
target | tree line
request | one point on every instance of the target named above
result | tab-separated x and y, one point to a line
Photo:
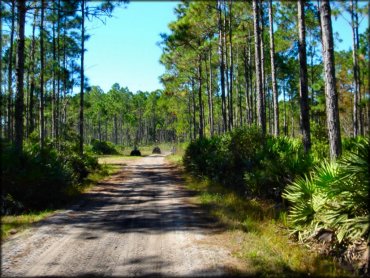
41	68
261	63
227	64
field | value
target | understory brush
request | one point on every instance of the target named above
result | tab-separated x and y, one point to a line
37	179
103	147
334	198
328	201
248	161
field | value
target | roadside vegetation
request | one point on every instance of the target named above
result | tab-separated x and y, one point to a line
38	182
257	233
268	187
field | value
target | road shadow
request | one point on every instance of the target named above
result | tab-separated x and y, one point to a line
149	198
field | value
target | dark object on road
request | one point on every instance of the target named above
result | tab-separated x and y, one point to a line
135	152
157	150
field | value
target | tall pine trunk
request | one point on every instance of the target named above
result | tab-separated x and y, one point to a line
259	93
209	89
1	70
222	68
303	88
246	87
82	76
231	69
19	106
331	96
42	70
273	72
31	115
10	73
262	55
356	80
200	80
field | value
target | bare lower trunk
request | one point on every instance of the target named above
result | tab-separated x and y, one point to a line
81	112
260	104
42	70
356	81
222	68
273	73
19	106
246	86
331	96
231	69
201	118
303	88
262	55
10	72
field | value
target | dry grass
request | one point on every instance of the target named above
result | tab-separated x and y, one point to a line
256	235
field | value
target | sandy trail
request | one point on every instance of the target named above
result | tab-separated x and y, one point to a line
136	223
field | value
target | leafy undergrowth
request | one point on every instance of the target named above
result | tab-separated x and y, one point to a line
258	236
11	224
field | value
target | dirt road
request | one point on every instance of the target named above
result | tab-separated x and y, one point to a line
138	222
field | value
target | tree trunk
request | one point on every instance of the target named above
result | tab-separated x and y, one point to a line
260	108
273	73
303	88
42	70
1	71
201	117
356	81
262	55
222	68
31	116
57	120
82	76
19	106
285	114
246	86
10	73
53	97
331	96
209	90
252	94
115	129
361	116
194	109
231	69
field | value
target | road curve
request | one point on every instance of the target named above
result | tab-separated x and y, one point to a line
138	222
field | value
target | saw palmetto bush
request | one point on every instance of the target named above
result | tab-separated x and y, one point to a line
40	178
335	196
279	162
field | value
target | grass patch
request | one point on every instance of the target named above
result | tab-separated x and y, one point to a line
14	224
174	159
116	161
257	235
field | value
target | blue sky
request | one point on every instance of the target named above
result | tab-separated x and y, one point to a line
124	50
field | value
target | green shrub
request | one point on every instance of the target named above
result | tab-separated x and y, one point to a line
248	161
335	196
39	179
103	147
281	160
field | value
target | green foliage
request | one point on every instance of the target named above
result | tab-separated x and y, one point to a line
335	196
248	161
102	147
280	161
39	179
